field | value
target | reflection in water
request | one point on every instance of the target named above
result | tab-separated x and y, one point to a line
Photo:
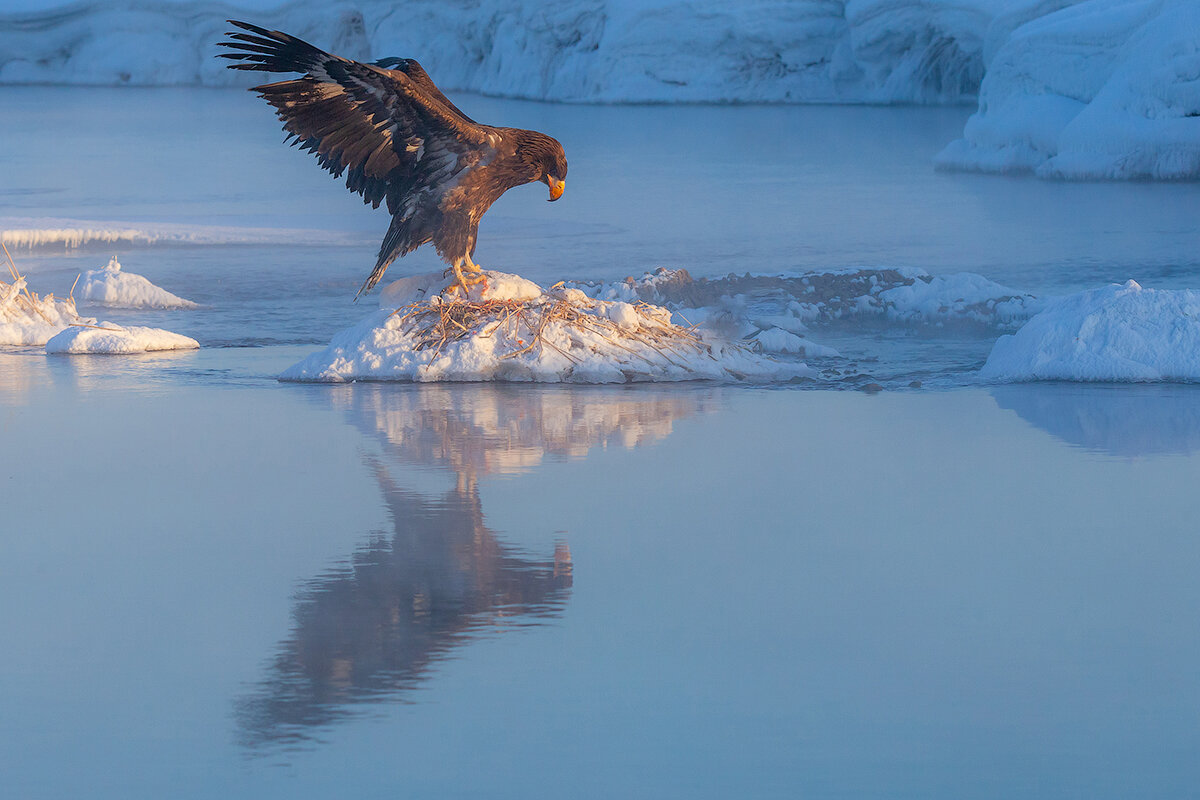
1128	421
496	429
372	629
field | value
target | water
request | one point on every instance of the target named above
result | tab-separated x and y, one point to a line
216	585
710	189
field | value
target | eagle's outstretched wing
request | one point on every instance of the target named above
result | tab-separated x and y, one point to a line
390	130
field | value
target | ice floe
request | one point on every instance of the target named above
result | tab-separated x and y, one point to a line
112	287
28	319
1120	332
1102	89
109	338
507	332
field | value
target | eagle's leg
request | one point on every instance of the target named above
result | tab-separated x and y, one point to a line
464	283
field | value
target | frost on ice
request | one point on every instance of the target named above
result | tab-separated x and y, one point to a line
512	330
110	286
1120	332
111	339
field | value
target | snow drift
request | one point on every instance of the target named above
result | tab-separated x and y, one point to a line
512	330
111	339
110	286
1103	89
1115	333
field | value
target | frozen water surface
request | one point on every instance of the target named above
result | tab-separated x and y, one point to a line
217	585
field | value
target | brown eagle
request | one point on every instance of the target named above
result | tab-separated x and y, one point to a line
398	140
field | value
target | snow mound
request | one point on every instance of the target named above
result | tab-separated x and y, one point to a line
29	320
109	286
1116	333
112	339
502	333
1103	89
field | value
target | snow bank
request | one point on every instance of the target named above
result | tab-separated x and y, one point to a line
513	331
1116	333
29	320
112	339
1102	89
109	286
573	50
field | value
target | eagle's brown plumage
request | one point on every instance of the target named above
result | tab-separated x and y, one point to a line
398	140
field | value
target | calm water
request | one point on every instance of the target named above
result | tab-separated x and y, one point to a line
710	189
246	589
215	585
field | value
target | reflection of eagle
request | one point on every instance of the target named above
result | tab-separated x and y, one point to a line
373	630
398	139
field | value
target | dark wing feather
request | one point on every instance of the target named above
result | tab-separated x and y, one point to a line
390	131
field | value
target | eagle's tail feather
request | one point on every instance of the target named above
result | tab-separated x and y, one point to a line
271	51
396	243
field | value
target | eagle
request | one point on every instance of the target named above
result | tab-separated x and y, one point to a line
400	141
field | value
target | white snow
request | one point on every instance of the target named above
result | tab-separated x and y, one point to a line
110	286
1115	333
112	339
1102	89
1070	88
573	50
26	319
608	342
777	340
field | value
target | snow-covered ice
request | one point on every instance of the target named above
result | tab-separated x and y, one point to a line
575	50
27	319
555	336
1070	88
111	339
1103	89
111	286
1119	332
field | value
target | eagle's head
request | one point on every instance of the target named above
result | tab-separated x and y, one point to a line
548	161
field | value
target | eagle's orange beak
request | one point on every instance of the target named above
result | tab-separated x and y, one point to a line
556	188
